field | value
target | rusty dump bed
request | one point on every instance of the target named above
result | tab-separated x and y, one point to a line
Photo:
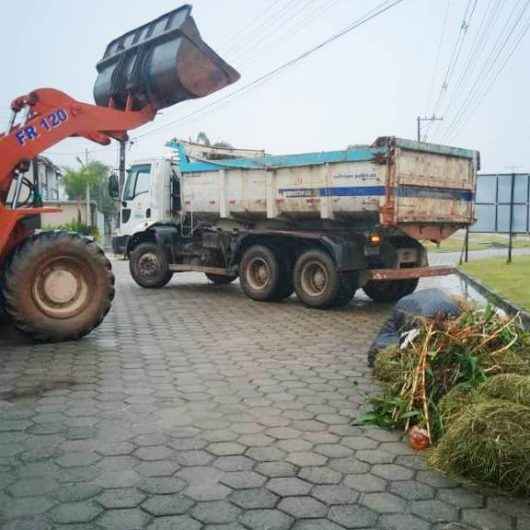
424	190
160	63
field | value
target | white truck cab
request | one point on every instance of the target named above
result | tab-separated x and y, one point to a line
146	198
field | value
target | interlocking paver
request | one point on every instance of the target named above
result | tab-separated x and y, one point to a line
174	415
352	516
127	519
33	487
76	512
434	511
392	472
412	490
461	498
121	498
162	468
243	479
162	485
303	507
288	486
306	458
177	522
383	502
316	524
254	498
276	469
320	475
266	520
215	512
366	483
335	494
234	463
399	521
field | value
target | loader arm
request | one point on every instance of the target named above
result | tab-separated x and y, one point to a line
52	116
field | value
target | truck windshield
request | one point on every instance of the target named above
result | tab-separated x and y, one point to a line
138	181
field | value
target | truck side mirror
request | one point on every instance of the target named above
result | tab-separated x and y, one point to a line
114	186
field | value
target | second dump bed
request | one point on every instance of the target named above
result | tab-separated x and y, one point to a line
426	190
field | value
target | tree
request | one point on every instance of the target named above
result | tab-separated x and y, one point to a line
95	175
202	138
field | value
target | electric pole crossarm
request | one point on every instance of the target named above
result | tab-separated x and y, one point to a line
426	118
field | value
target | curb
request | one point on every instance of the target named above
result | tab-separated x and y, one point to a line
506	305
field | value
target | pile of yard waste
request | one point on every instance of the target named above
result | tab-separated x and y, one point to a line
461	386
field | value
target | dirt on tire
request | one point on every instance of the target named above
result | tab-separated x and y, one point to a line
58	286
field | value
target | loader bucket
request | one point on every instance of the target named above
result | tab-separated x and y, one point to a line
160	63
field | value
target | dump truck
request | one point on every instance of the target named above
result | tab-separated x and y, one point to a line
321	224
59	285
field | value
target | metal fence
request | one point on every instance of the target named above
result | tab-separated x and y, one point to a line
502	203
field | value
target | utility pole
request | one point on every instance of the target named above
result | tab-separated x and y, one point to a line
121	180
426	118
88	209
87	190
512	197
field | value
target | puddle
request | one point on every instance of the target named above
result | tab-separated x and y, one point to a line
15	394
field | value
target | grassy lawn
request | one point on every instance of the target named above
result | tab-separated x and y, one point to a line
478	242
510	281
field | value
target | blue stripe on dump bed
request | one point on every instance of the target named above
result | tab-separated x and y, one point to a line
450	194
379	191
359	154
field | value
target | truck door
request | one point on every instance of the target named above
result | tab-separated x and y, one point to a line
136	209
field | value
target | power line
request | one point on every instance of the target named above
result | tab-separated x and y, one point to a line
476	51
285	27
437	61
269	26
250	27
477	102
488	68
380	9
456	51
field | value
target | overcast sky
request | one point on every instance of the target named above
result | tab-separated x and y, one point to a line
372	82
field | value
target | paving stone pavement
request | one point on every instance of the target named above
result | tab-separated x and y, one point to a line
193	407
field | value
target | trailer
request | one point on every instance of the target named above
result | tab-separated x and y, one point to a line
322	225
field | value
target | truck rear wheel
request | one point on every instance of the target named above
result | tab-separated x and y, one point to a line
317	282
385	291
261	275
58	286
218	279
347	289
149	266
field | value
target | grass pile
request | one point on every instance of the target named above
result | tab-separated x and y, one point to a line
488	442
466	382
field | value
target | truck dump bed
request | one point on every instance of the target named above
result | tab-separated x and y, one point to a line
424	190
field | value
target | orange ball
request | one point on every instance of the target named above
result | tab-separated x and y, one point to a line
418	438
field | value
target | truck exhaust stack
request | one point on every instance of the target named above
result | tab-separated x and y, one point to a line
160	64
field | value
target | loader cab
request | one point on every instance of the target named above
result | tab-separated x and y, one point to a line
147	198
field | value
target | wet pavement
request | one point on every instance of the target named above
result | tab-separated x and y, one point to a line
194	407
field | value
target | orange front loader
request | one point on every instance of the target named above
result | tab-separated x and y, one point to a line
59	285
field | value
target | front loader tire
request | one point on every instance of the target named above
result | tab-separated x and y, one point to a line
58	286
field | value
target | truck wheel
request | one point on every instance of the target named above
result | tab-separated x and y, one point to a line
149	266
218	279
347	289
260	274
58	286
316	280
386	291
